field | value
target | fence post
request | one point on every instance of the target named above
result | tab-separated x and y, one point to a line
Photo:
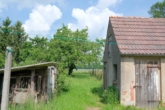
6	81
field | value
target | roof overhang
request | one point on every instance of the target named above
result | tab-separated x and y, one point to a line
30	67
144	55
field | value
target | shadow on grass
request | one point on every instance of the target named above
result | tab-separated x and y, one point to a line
98	91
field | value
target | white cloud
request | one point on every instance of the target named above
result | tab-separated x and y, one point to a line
95	18
41	18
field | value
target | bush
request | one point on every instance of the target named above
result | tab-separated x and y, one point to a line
110	96
2	61
62	84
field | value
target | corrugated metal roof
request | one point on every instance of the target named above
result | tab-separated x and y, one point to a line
139	35
28	67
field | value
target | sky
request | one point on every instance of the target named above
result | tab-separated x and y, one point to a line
44	17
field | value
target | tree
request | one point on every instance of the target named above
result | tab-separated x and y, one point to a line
65	46
35	50
19	37
11	35
5	39
5	35
72	49
157	10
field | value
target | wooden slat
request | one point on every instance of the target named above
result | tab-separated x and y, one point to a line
39	84
156	85
145	84
150	95
49	82
53	79
143	93
148	82
32	83
141	83
137	82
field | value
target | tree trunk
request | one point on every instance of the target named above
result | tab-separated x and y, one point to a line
71	67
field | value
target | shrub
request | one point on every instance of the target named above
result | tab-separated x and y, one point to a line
62	84
111	95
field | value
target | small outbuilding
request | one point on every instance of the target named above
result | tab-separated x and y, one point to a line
134	60
35	81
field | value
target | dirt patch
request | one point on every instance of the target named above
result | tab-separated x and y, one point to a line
94	108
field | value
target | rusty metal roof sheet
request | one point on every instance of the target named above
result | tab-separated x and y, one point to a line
29	67
139	35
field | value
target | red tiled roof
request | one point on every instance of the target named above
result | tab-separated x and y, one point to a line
139	35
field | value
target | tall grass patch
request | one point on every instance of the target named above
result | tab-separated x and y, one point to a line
110	96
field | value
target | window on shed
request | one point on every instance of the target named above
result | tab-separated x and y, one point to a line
24	82
12	83
109	45
115	73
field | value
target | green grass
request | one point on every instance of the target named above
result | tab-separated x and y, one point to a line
79	96
84	92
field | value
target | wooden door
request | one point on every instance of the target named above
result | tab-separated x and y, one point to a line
147	83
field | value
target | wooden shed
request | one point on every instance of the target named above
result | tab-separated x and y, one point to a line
35	81
134	60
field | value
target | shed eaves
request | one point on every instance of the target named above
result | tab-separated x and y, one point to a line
32	66
139	35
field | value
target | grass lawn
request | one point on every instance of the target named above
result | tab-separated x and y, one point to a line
80	96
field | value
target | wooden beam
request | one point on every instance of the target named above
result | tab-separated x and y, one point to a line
49	81
6	82
32	83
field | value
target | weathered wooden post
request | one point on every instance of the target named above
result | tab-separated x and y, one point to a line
32	83
6	81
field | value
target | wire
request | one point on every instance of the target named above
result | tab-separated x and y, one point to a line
71	38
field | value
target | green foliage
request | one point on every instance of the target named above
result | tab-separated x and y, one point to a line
29	105
110	96
11	35
19	37
2	60
158	10
73	48
68	48
62	84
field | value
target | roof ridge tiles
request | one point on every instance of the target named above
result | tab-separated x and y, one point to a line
126	17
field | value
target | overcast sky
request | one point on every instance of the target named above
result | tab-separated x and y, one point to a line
44	17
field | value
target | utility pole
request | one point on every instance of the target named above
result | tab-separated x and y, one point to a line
6	79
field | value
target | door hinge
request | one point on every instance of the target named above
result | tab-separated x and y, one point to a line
154	66
153	100
137	86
